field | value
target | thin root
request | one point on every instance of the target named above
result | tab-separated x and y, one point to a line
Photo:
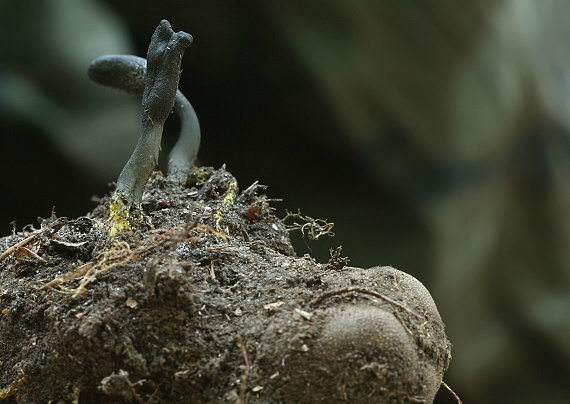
366	292
120	254
309	227
246	371
452	392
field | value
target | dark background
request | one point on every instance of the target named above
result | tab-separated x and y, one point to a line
261	114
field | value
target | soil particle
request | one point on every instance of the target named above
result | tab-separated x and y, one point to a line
205	301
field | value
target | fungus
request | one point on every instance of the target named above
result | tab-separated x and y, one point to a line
127	73
157	80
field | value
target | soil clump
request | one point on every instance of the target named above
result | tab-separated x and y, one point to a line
205	301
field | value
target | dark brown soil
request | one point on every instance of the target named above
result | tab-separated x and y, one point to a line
206	302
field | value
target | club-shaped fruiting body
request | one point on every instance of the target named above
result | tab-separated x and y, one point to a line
123	72
127	73
161	84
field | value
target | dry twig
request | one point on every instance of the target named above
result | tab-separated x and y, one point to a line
53	227
18	245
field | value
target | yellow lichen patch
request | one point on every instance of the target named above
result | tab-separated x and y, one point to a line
197	176
230	195
119	214
228	199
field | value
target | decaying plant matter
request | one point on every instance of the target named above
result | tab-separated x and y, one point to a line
204	300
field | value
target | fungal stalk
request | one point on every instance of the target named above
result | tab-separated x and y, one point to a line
127	73
161	74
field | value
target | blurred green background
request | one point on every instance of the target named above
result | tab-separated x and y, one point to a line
434	134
